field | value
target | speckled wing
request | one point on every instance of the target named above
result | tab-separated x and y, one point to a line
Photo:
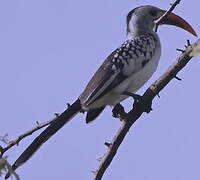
129	58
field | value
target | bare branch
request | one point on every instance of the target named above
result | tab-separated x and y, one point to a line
4	139
140	107
167	13
134	114
27	133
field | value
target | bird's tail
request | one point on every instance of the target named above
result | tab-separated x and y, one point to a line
47	133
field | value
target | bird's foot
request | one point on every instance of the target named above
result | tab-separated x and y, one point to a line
119	112
138	100
144	105
147	107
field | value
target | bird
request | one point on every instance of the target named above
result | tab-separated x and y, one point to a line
124	71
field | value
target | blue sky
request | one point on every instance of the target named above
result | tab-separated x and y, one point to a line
49	51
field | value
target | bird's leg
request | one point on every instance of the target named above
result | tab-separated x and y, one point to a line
138	98
119	112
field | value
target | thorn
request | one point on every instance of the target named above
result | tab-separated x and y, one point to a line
178	78
99	159
56	114
188	43
5	139
133	95
107	144
68	105
158	95
1	151
93	171
181	50
37	122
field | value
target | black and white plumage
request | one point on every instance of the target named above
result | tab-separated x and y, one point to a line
125	69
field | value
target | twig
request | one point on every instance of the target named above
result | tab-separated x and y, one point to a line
4	139
4	165
27	133
139	109
166	14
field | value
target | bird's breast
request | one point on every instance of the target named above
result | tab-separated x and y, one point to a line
137	79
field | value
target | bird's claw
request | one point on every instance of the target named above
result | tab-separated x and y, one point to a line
119	112
145	106
148	107
138	100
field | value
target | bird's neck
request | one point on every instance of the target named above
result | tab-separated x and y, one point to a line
137	27
140	32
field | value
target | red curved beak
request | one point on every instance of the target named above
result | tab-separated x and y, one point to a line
173	19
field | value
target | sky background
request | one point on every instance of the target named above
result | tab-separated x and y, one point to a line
48	52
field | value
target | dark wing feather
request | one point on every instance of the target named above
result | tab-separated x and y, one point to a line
99	82
129	58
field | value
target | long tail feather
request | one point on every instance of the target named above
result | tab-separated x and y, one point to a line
47	133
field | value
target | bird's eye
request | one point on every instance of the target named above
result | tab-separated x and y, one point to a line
153	13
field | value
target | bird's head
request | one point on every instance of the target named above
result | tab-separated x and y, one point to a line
142	19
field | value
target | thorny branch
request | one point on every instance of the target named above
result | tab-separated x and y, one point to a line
3	161
146	101
139	109
12	143
132	115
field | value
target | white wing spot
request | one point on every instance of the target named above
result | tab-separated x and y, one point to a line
116	55
114	67
131	52
138	52
133	48
120	57
123	54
